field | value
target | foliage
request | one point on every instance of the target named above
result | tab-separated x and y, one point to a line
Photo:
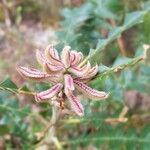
83	28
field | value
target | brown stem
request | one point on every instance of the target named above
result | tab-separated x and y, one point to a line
121	119
6	13
120	40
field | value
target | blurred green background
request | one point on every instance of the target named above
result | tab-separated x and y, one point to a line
116	31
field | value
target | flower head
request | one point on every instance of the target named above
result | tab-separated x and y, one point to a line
66	75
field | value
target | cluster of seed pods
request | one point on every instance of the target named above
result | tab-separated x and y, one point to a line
66	75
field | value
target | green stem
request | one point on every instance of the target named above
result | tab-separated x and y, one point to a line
118	68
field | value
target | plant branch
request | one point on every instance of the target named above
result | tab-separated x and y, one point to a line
119	68
6	13
15	91
50	132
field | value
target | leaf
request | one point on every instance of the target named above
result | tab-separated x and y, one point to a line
147	5
130	20
100	45
104	13
134	18
122	60
146	25
103	139
76	17
7	83
4	129
24	88
115	32
103	68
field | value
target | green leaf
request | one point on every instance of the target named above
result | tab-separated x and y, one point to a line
146	28
7	84
75	17
103	68
130	20
102	139
24	88
4	129
115	32
121	61
100	45
147	5
134	18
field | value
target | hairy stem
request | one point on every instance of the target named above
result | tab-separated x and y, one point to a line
52	130
50	137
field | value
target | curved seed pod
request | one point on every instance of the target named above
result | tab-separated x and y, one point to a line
69	82
75	103
80	72
53	52
40	57
52	55
72	57
65	56
91	73
32	74
55	78
86	67
50	68
75	57
89	92
48	94
50	51
47	69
